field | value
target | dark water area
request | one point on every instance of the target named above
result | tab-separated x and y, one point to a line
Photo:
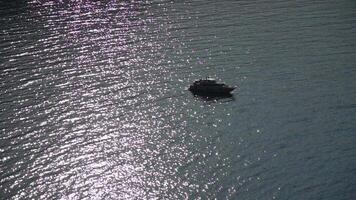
94	101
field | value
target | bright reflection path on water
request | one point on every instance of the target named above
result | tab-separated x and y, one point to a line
101	124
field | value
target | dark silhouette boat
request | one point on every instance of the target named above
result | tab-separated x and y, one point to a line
209	87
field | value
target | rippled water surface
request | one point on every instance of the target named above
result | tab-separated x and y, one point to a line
94	101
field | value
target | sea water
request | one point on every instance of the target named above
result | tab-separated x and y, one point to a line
94	101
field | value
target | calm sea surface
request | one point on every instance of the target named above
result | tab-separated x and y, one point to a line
94	101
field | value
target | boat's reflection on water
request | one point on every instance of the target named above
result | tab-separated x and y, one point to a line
214	98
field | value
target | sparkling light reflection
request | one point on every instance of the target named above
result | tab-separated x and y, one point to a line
105	116
103	133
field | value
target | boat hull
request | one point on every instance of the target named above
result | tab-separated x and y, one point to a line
211	90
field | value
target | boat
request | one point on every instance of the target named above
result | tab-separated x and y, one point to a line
209	87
